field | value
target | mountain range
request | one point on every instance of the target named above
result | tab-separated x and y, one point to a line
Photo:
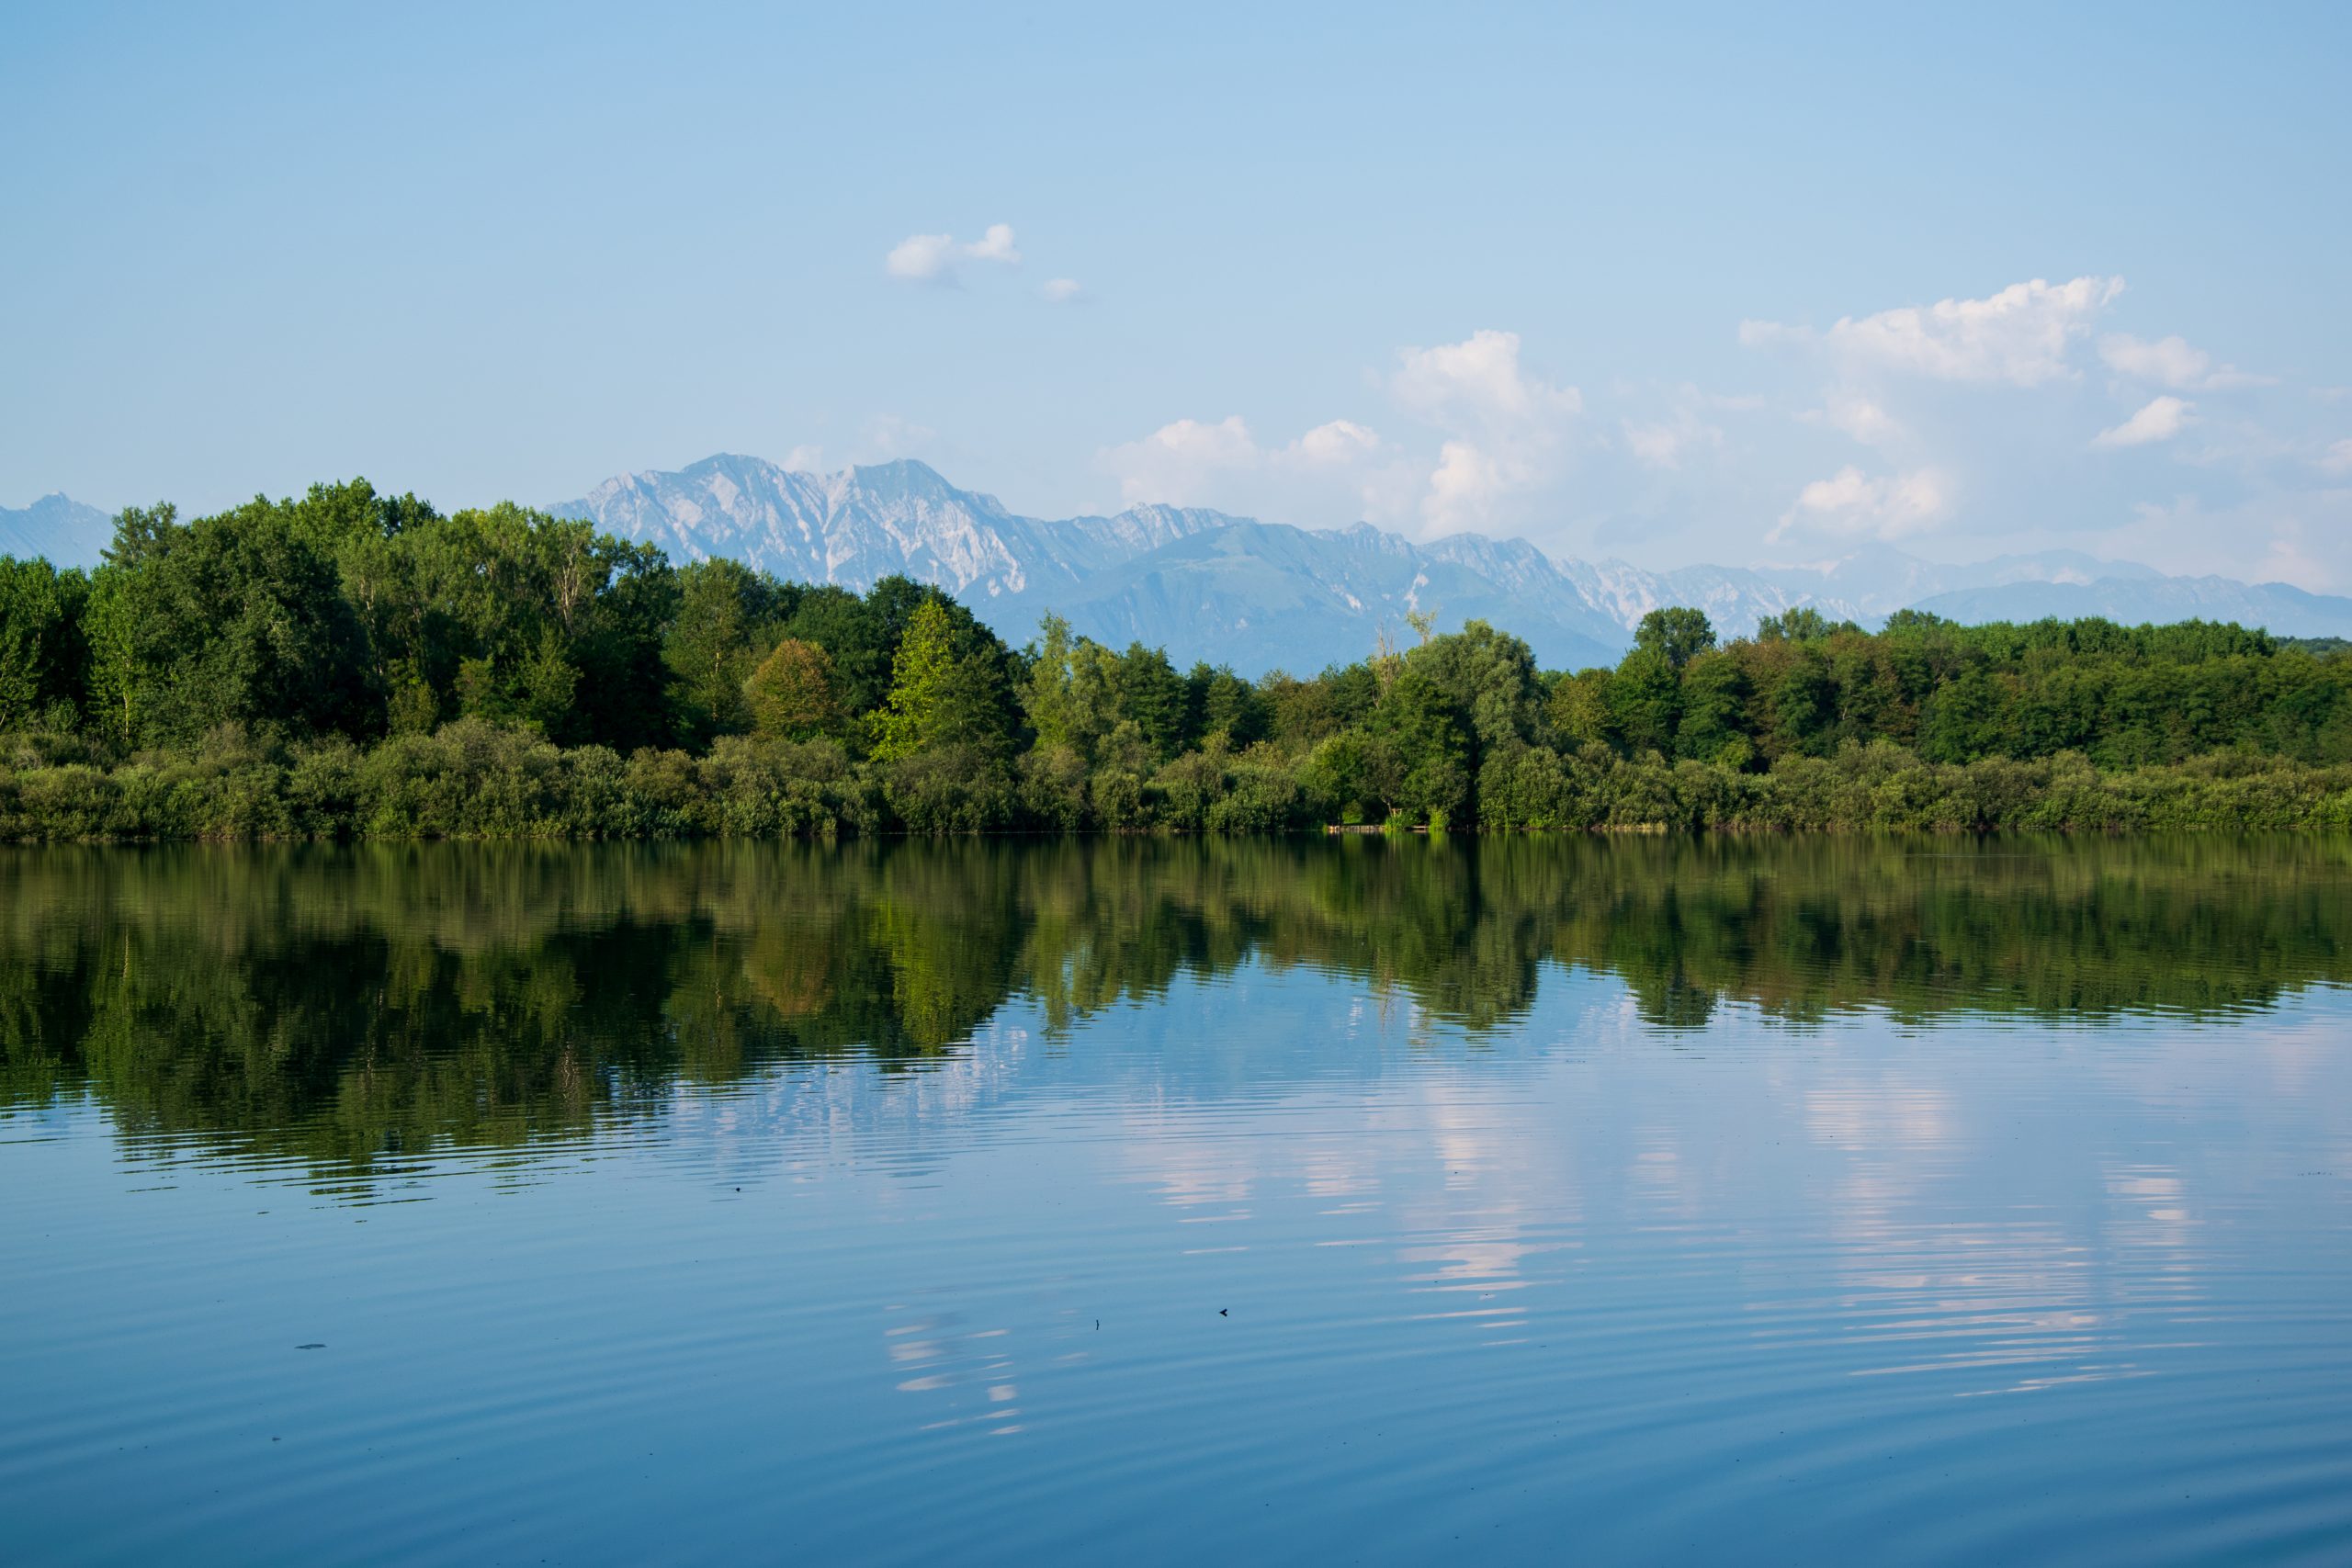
58	527
1260	595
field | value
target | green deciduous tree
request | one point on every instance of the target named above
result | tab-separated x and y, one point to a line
790	695
1678	632
43	657
1645	698
711	645
947	689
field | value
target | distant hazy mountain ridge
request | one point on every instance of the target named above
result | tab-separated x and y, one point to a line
56	527
1260	595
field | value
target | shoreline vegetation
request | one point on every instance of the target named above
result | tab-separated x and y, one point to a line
347	664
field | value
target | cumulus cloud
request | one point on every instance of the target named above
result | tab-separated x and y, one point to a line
1503	425
1063	291
923	258
1862	418
1340	471
2160	420
1479	381
2023	337
1182	461
1341	442
931	258
1467	484
1490	441
1187	460
1850	505
2171	361
996	245
1501	429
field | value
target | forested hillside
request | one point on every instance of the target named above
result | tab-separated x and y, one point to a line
352	662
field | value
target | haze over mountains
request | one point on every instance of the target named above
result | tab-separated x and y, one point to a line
56	528
1258	595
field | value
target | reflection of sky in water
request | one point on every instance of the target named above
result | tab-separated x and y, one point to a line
1277	1261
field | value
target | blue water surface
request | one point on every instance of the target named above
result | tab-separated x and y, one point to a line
1176	1203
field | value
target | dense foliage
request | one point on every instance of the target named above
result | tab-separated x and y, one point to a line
350	662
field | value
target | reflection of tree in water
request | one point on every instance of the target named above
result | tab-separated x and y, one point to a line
337	1005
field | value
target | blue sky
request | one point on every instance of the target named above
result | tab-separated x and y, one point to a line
1734	283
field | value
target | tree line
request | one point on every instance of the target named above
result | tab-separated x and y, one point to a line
349	662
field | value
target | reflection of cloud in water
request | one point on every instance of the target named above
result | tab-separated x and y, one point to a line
2152	1213
1861	1113
2034	1302
1459	1174
1502	1191
1921	1221
971	1368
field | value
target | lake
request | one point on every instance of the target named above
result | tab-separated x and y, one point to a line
1130	1200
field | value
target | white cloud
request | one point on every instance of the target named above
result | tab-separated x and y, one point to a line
2023	336
2171	361
1338	471
1862	418
1503	427
1662	444
804	458
996	245
1341	441
931	258
1466	484
1850	505
2338	457
1656	446
1478	381
1685	428
923	258
1182	462
2160	420
1063	291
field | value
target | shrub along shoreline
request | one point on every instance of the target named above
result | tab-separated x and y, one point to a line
347	664
476	780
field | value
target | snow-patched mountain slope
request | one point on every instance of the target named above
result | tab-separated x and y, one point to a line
864	523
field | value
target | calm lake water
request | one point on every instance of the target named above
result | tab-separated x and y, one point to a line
1544	1199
